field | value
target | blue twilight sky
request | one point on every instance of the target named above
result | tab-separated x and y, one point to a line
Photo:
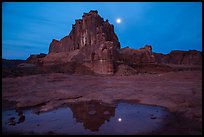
29	27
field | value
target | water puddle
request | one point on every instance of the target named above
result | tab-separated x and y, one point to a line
87	118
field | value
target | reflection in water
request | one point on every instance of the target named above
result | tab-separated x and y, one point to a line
92	114
12	120
87	118
21	117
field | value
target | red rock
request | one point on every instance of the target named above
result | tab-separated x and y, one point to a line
35	59
191	57
133	56
161	58
91	30
93	44
54	46
94	40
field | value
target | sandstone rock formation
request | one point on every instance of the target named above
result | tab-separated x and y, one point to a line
91	30
35	58
93	43
191	57
136	56
11	63
92	47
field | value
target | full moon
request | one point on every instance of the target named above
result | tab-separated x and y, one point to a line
118	20
119	119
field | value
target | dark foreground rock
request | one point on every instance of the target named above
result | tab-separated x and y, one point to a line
179	91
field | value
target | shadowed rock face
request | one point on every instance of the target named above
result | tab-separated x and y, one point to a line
34	59
91	30
11	63
133	56
92	47
191	57
185	57
93	43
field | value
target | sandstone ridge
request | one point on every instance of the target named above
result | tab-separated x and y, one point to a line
93	43
92	47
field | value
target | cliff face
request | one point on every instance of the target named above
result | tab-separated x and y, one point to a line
191	57
91	30
93	44
136	56
35	59
92	47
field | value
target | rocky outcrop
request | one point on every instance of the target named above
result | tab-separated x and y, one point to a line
91	42
136	56
191	57
35	58
11	63
160	58
92	47
125	70
91	30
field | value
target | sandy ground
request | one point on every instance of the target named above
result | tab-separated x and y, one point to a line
180	92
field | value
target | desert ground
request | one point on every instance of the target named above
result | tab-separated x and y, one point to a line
180	92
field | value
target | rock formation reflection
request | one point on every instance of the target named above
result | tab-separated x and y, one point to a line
92	114
92	118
